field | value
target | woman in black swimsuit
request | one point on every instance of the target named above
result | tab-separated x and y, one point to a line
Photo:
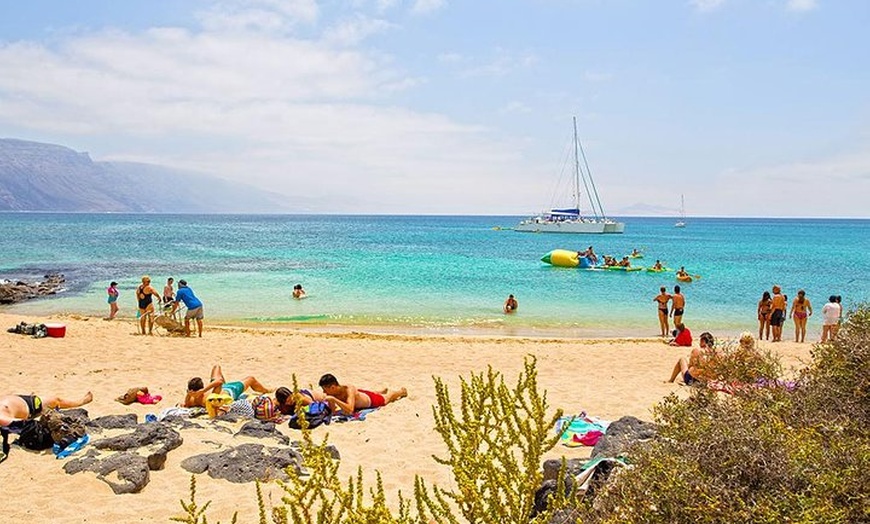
144	294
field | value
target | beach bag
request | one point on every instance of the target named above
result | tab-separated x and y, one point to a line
264	408
316	414
63	429
35	435
5	453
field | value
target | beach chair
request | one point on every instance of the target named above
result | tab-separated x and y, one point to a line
170	323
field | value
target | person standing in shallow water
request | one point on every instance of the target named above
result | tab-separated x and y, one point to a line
764	306
778	306
678	305
662	300
801	309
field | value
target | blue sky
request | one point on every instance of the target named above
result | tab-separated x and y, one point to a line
748	107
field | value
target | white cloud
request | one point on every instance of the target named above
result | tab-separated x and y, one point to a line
353	31
291	114
427	6
835	184
706	5
263	15
801	5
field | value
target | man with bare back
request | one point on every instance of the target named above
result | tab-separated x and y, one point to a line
349	398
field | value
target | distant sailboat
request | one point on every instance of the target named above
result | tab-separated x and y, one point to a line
682	221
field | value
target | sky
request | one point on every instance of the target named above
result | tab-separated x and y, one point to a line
746	107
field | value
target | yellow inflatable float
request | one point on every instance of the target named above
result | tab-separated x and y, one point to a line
562	258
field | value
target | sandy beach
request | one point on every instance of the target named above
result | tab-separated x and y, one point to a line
608	378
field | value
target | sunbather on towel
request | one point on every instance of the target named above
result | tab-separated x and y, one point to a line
350	398
286	401
197	390
19	408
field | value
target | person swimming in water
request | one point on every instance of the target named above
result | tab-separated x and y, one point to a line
510	305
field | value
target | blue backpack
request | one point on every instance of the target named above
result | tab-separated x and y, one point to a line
316	413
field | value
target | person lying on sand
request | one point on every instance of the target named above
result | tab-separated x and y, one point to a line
349	398
20	408
197	390
287	401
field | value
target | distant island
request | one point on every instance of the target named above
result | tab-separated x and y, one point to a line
46	177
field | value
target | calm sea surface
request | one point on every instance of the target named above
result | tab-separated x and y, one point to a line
437	274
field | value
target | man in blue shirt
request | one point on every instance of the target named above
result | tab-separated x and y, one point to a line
193	304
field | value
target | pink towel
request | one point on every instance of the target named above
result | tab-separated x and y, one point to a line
147	398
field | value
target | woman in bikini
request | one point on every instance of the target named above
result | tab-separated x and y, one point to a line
800	310
764	306
662	300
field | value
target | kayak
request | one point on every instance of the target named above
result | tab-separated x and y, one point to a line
686	278
639	255
662	270
622	268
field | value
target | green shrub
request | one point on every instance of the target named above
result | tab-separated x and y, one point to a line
496	439
765	454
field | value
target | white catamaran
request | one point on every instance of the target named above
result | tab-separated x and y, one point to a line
570	220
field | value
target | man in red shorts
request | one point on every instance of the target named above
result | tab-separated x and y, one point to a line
350	398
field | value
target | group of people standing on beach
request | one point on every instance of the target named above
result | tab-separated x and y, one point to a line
170	301
772	314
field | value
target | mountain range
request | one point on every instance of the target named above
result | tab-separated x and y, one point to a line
36	176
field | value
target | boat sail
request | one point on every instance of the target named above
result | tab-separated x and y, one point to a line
570	220
682	221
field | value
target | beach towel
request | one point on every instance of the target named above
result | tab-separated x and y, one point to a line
61	451
355	416
581	430
176	412
147	398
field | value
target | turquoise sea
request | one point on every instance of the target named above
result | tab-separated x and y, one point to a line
439	274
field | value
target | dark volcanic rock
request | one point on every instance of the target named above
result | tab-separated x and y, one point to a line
621	435
130	469
160	438
13	292
246	463
116	421
262	429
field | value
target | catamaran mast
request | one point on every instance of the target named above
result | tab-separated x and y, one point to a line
577	176
591	181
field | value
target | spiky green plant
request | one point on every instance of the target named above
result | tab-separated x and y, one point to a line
495	442
193	512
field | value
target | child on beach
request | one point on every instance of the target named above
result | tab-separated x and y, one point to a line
112	299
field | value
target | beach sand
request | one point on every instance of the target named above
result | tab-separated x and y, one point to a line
608	378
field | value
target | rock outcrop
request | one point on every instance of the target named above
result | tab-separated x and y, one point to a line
12	292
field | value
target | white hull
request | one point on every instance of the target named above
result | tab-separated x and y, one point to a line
569	226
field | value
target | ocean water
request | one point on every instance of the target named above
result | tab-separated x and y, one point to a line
440	274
